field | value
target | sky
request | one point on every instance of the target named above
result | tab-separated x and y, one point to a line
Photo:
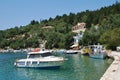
21	12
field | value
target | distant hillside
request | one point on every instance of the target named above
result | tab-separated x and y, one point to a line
60	35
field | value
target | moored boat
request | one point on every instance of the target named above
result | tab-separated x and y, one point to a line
40	59
85	51
98	56
97	52
71	52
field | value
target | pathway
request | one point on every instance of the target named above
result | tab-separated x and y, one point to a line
113	72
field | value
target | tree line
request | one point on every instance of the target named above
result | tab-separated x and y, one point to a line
60	36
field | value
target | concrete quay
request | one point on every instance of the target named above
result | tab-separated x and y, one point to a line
113	72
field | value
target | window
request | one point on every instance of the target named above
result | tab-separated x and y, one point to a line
21	63
34	62
34	56
46	54
28	63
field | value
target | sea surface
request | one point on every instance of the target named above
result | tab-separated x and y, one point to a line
77	67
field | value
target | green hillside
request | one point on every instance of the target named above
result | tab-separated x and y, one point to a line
57	31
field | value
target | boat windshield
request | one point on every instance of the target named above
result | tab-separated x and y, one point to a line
34	56
39	55
46	54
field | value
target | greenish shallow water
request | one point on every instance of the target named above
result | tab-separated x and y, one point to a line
77	67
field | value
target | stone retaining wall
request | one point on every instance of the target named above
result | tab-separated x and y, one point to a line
113	72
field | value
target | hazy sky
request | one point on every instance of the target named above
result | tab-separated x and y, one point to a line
21	12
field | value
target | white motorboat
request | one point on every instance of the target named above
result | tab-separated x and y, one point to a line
40	59
71	52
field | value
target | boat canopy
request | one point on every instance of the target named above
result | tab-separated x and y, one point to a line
75	45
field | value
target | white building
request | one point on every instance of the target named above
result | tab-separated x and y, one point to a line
79	29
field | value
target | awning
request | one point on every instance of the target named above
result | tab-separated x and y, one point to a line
75	45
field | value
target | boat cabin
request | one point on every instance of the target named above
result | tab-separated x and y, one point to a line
39	54
96	49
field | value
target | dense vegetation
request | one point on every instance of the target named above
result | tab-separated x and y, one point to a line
106	32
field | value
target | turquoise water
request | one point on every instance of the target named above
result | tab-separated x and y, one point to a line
77	67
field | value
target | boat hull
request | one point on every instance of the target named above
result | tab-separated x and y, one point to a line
85	54
98	56
48	67
71	52
27	64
